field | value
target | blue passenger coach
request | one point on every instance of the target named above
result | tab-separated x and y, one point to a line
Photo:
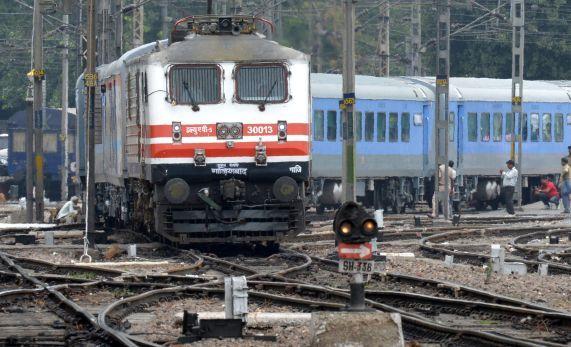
391	135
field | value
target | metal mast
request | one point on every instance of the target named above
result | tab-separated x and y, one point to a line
414	67
38	74
90	84
64	99
518	32
348	103
384	46
138	23
165	18
441	104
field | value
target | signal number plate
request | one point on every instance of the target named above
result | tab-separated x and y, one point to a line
360	266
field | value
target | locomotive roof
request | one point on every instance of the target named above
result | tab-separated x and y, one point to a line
491	89
53	119
221	48
370	87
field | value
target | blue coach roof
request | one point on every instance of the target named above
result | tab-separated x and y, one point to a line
370	87
53	119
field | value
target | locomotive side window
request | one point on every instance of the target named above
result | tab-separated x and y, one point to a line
18	141
195	84
393	127
358	126
498	122
265	83
484	127
405	127
510	126
451	122
381	127
369	126
534	127
331	125
558	128
546	122
318	126
472	127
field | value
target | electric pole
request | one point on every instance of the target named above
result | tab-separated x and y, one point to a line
64	101
90	84
414	67
441	104
348	103
165	18
138	23
29	156
518	33
78	118
38	74
118	32
384	46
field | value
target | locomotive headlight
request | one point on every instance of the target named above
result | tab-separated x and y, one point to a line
282	130
176	190
236	131
222	132
176	132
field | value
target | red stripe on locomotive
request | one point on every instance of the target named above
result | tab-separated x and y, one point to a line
206	130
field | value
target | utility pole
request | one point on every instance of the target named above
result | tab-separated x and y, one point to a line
348	103
104	43
90	84
118	32
165	18
441	104
208	7
138	23
38	74
518	44
414	67
384	46
64	101
80	67
29	156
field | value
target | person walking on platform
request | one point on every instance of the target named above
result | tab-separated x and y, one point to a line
441	189
547	193
509	179
565	183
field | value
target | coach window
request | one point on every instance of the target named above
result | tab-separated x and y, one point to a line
369	126
510	126
50	143
393	127
451	122
381	127
358	126
534	127
264	83
524	130
331	125
19	141
405	127
558	128
498	126
196	84
472	127
546	123
485	127
318	130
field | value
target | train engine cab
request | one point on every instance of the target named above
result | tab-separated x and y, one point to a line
217	135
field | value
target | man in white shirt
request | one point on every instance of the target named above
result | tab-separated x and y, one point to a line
509	179
442	188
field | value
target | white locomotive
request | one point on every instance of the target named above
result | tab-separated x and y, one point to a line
205	138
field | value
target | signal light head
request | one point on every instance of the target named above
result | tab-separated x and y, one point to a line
353	224
369	227
345	228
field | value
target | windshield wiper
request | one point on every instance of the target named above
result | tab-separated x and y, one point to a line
192	102
262	106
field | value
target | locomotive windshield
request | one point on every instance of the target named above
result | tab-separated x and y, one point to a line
195	84
263	84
